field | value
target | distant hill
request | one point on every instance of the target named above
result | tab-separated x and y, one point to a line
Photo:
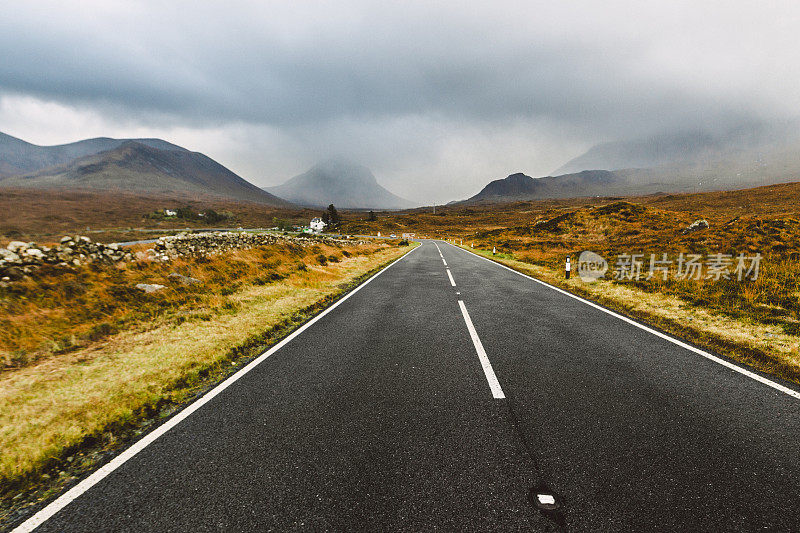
148	167
20	157
341	183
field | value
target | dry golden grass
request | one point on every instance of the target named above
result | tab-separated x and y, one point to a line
622	227
52	405
46	215
63	309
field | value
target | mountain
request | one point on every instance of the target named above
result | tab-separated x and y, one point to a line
20	157
341	183
133	166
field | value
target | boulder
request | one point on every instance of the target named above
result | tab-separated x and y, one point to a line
8	256
697	225
17	246
34	253
150	287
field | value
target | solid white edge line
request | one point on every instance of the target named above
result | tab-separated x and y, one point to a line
497	390
736	368
452	281
98	475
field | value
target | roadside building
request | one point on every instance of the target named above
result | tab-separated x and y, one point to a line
317	225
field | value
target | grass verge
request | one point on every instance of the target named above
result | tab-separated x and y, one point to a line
63	415
764	347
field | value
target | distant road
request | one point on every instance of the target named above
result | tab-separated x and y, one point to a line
436	397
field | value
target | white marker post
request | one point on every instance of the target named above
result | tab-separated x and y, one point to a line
567	267
494	250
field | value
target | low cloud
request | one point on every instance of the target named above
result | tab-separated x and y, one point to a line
436	98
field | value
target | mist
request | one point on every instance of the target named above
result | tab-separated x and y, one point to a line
436	98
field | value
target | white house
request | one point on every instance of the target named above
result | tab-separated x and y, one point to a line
317	225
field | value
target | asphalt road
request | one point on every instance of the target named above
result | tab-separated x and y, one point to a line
382	415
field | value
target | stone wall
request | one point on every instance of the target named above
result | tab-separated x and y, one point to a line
24	258
21	258
189	244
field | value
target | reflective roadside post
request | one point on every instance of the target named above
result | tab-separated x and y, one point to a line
567	268
494	250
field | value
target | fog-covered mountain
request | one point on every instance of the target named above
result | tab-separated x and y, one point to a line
339	182
690	148
642	153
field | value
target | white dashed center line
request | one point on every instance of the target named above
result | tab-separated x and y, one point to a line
497	391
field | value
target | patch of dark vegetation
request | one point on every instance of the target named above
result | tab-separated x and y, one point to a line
268	278
186	213
624	210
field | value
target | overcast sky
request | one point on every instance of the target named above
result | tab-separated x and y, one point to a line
437	98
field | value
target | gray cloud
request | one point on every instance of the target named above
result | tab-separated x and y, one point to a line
437	98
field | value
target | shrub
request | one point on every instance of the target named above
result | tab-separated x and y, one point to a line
101	330
230	289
